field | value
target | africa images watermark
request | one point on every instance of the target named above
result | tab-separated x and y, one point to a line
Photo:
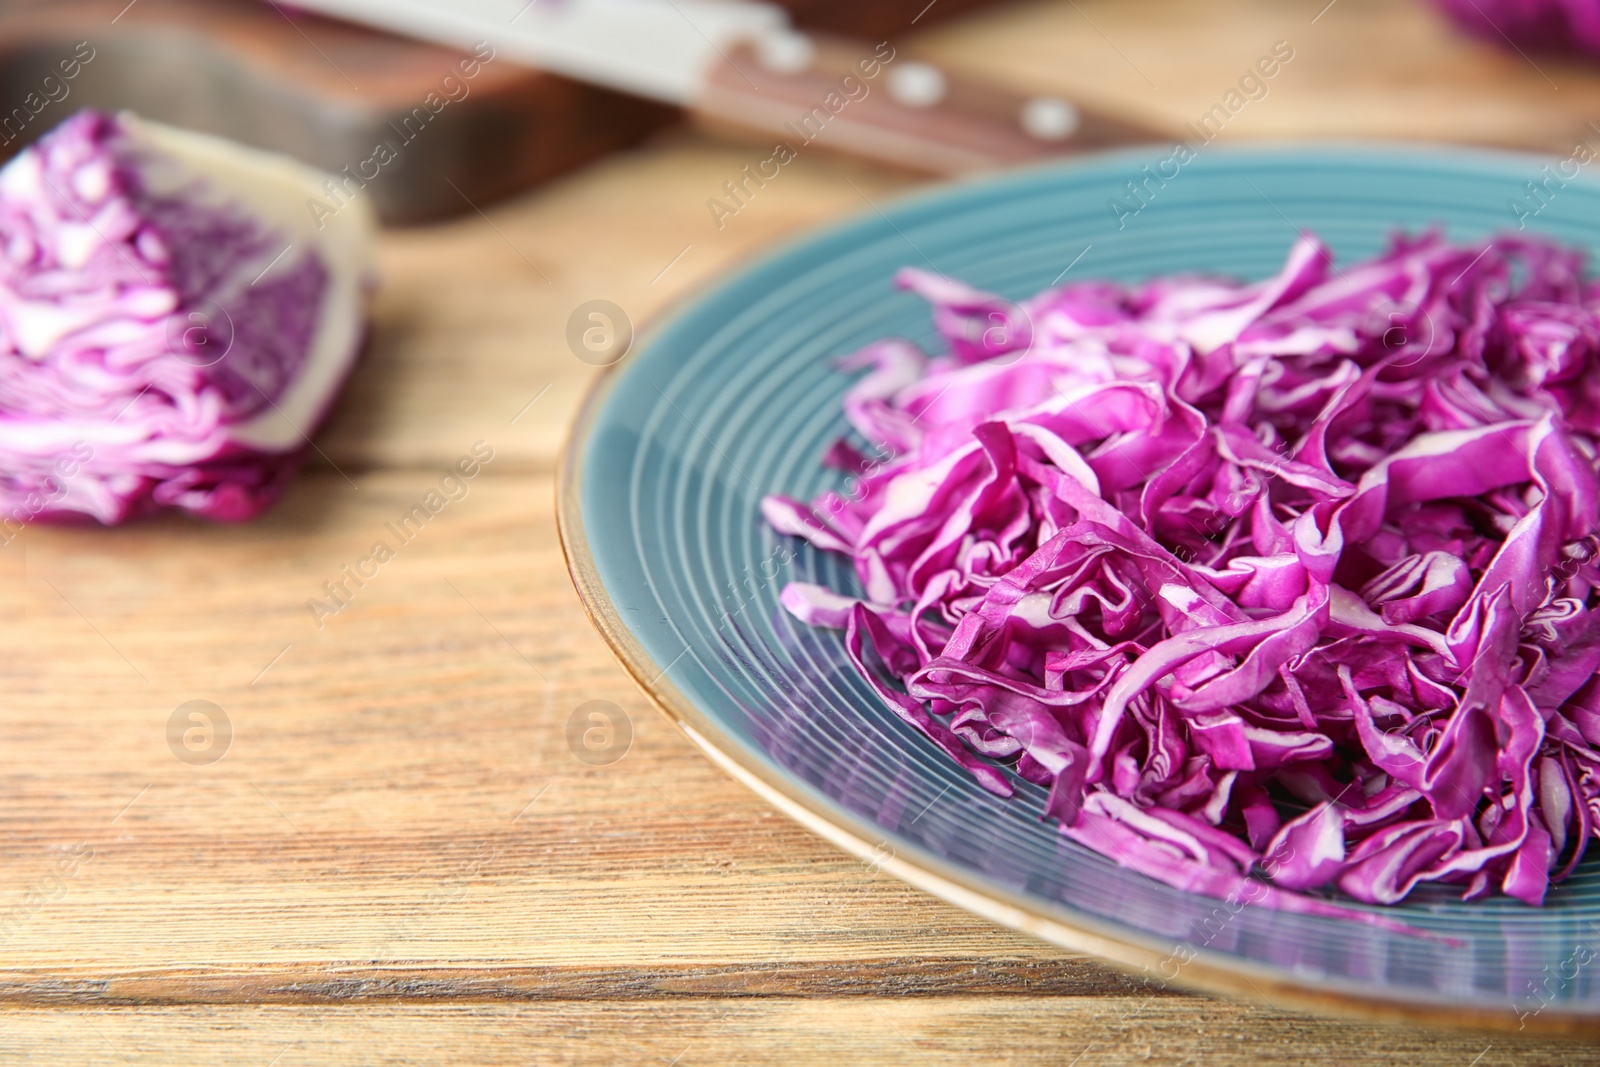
453	488
51	888
1252	85
1541	192
343	187
52	90
805	129
404	928
52	488
1250	891
1555	980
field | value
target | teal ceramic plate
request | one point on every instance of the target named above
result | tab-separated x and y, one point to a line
737	396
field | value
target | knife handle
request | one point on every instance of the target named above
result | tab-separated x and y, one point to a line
870	101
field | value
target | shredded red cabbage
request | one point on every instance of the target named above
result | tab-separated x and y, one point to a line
1292	581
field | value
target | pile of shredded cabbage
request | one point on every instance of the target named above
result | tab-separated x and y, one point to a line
1293	581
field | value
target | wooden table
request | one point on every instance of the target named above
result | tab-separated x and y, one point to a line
398	859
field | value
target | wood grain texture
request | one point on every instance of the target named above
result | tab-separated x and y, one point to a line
399	859
1390	69
954	1031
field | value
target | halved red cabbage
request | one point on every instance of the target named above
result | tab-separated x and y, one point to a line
174	322
1557	24
1293	581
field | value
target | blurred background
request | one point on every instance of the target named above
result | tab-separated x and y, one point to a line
327	90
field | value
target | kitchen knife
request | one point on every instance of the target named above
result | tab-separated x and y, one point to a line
741	66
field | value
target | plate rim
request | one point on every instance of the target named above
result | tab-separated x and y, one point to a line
1207	971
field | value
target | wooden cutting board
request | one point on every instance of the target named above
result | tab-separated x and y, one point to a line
332	94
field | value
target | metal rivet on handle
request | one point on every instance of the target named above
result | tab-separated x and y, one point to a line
785	52
917	84
1049	118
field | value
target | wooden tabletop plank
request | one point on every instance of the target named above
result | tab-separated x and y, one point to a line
470	322
399	784
930	1031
